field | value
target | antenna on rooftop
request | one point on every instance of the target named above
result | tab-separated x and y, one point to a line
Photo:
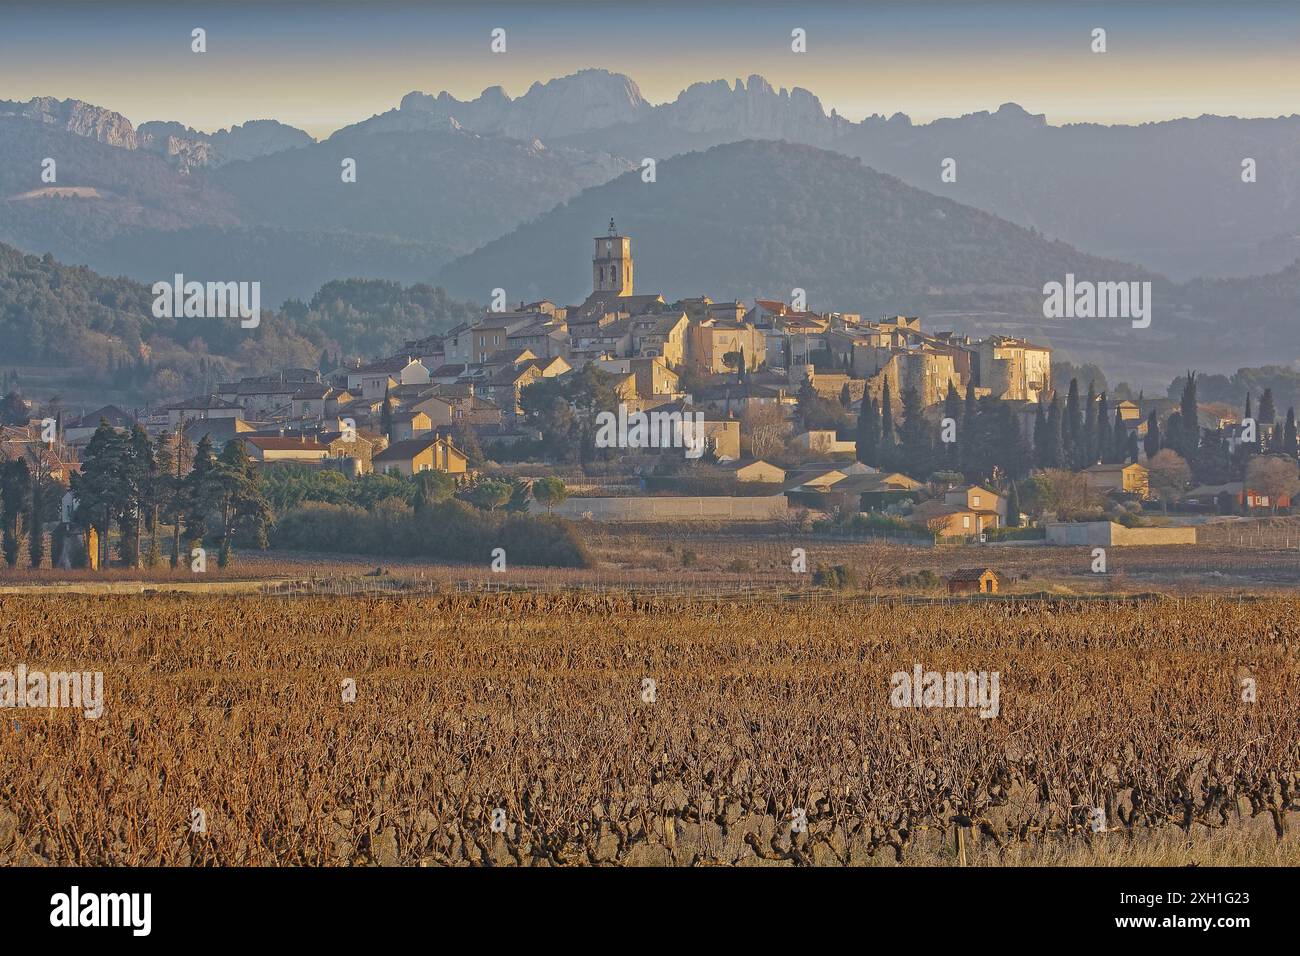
612	230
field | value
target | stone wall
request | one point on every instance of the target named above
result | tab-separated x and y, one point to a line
671	508
1109	534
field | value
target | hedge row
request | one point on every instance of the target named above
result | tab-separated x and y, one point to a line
449	530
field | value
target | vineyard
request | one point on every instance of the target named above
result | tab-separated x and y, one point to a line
605	729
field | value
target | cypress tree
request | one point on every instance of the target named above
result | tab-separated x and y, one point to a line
1267	412
1133	447
1071	426
915	446
966	442
36	537
951	409
386	415
1190	439
1040	437
1055	452
888	438
1119	446
1013	507
1019	455
1085	449
1102	442
868	431
1151	443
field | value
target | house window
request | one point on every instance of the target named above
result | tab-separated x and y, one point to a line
965	521
976	501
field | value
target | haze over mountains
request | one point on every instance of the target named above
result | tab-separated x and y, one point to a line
501	189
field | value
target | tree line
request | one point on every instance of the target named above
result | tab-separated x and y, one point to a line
140	485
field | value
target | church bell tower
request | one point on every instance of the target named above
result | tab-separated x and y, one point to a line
611	266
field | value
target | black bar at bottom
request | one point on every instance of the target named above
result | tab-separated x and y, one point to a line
215	906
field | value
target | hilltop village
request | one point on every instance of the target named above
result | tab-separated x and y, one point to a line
629	406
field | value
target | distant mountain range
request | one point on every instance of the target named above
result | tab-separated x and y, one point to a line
187	148
505	192
1167	195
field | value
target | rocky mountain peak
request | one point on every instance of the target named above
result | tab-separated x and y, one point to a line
77	117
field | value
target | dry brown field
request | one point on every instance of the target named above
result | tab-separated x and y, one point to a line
768	737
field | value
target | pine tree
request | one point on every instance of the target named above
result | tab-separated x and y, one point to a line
140	470
101	487
15	504
239	498
1151	443
174	450
201	493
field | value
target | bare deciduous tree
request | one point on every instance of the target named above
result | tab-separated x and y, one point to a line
763	429
1169	476
1275	476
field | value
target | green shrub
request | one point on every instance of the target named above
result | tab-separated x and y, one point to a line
446	530
869	521
924	579
837	577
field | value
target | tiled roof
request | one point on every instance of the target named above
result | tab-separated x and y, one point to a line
203	402
277	443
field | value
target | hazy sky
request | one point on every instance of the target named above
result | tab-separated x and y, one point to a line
323	65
